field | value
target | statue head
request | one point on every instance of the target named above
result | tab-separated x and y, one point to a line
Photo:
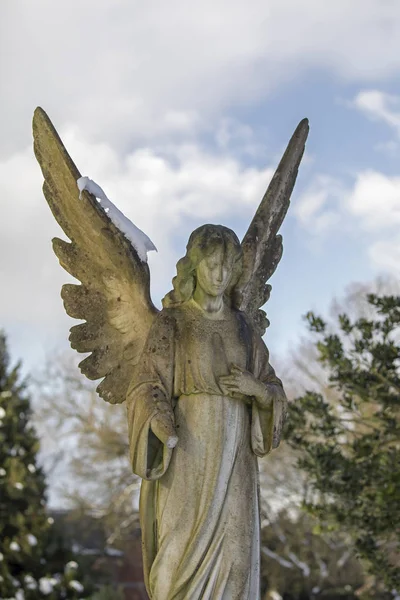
214	259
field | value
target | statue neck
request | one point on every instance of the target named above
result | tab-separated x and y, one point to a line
210	304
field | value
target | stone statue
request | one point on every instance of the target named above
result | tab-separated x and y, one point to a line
203	401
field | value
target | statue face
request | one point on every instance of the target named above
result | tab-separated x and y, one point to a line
214	273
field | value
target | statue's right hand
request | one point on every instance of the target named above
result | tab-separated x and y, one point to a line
162	425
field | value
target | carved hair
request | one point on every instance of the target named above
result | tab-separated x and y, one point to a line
203	242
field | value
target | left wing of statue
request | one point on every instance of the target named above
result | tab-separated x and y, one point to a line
108	255
262	246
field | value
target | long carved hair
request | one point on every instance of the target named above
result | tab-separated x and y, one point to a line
203	242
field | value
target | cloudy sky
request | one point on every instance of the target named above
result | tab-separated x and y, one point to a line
180	110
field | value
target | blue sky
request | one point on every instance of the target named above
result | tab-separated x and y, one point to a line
181	113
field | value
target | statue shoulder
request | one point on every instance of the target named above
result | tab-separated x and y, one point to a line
244	319
167	320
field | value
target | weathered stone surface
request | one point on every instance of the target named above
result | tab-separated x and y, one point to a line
203	401
114	297
262	247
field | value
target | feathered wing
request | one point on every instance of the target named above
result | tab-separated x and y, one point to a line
262	246
114	296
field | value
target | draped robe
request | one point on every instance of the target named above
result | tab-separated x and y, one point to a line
199	508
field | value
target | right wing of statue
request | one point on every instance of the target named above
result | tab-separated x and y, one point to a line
262	245
114	296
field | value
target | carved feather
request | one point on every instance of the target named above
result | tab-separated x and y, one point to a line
262	246
114	298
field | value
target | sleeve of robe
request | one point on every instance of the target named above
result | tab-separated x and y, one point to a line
266	423
149	394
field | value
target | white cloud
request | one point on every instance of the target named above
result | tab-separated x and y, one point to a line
368	210
317	207
129	71
386	255
380	106
390	148
375	201
237	138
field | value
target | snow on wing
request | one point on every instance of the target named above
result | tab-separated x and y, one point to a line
114	298
139	240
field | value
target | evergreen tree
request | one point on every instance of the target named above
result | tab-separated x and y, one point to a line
34	563
351	448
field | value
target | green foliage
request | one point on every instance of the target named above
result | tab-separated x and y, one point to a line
34	562
351	449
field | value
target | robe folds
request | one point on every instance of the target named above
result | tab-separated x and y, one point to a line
199	508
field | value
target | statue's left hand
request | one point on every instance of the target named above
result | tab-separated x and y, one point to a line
244	383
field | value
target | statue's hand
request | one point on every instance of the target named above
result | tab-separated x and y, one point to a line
162	425
244	383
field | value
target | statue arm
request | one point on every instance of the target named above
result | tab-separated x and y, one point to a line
270	406
152	433
271	388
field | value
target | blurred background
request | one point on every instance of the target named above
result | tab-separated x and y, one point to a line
181	112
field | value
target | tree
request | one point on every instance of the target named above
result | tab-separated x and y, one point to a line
91	466
34	562
298	558
299	561
351	448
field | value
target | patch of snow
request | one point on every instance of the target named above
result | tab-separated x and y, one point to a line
2	472
15	582
76	585
15	547
172	441
32	540
20	595
30	582
323	568
113	552
31	468
6	394
89	551
343	559
2	412
139	240
71	566
46	585
19	486
77	549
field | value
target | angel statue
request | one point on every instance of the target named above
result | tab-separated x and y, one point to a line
202	399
